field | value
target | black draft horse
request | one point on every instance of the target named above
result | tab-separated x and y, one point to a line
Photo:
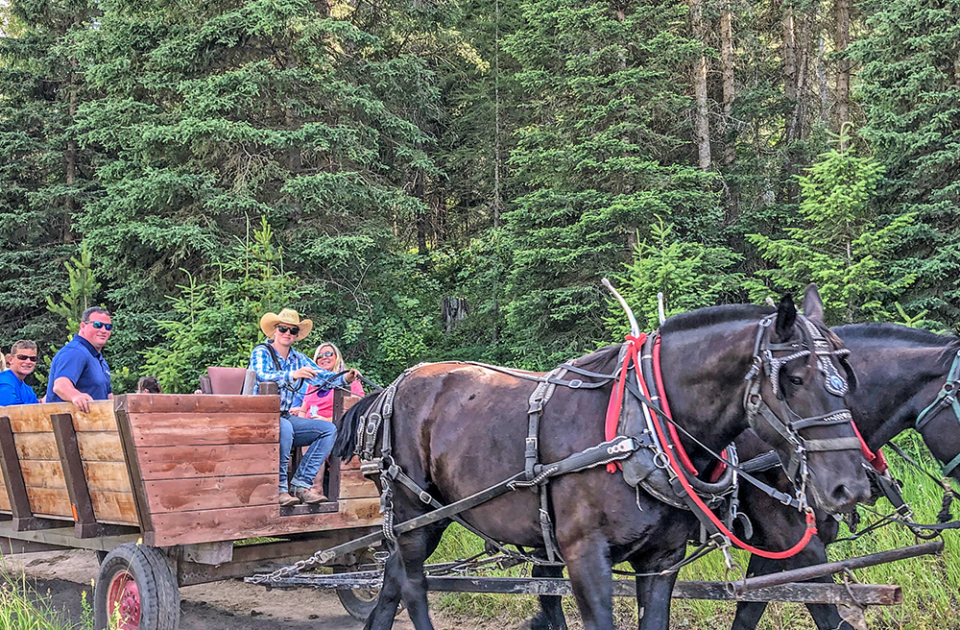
458	429
900	372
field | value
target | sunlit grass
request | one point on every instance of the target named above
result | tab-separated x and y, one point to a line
21	608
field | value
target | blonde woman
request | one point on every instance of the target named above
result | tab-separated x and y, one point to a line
319	404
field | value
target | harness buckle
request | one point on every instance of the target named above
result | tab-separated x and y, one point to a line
425	497
575	384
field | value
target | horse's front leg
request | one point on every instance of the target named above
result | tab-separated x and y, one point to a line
588	562
550	615
413	549
389	598
655	593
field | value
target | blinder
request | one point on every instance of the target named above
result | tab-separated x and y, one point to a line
818	350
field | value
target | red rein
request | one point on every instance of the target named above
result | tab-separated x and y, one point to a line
677	455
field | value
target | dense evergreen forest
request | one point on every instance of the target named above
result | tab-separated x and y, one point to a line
430	179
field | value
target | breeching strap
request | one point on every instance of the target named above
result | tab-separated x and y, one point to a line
616	397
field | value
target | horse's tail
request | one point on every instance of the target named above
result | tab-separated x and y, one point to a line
346	442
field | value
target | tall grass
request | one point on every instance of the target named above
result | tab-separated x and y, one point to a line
931	585
22	608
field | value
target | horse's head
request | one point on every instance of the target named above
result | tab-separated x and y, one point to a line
794	401
939	422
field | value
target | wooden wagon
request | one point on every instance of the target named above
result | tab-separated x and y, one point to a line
163	487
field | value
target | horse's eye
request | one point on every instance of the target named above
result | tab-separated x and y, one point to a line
796	380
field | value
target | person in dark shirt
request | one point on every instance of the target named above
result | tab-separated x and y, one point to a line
23	361
79	374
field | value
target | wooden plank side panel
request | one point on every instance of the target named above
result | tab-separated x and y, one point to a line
211	493
36	446
114	508
107	477
100	446
100	418
179	528
50	502
354	485
187	462
190	404
204	428
42	474
4	498
34	418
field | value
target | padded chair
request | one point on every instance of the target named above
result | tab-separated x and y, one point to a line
228	381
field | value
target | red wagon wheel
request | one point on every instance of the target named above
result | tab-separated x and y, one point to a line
137	590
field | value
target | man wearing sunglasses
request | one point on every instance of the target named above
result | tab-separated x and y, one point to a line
276	361
23	361
79	374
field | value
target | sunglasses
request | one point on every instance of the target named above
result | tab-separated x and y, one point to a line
293	330
26	357
99	325
327	354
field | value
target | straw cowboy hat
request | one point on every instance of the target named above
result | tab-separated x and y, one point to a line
288	316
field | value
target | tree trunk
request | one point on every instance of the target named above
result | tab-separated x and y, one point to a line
789	52
700	87
729	94
842	9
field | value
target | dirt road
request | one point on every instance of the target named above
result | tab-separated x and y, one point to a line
61	577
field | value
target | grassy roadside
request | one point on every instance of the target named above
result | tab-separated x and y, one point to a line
22	608
931	585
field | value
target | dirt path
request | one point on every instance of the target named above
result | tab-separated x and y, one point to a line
61	577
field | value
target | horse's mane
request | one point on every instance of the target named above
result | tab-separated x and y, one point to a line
881	331
597	361
714	315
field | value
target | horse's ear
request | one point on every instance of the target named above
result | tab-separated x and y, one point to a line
786	318
812	304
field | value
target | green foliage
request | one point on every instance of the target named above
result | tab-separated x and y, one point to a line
80	294
690	276
837	243
217	323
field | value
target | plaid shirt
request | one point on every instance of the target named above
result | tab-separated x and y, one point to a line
291	389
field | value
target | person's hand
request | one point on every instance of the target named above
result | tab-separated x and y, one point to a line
82	401
304	372
351	375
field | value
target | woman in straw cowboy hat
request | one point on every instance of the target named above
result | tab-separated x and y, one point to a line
276	361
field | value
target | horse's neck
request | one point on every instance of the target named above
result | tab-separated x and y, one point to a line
896	383
703	372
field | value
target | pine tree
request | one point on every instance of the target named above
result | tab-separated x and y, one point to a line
909	88
605	148
837	243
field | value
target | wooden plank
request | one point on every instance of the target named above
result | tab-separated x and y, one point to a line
185	462
179	528
353	485
35	418
42	446
42	474
69	448
190	404
100	446
806	592
202	428
16	490
107	477
100	418
115	508
207	493
64	537
133	466
50	502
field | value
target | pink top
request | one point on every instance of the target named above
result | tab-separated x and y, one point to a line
317	404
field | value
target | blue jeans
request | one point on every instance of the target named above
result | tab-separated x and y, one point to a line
296	432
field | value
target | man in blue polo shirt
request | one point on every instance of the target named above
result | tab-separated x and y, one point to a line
23	361
79	373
